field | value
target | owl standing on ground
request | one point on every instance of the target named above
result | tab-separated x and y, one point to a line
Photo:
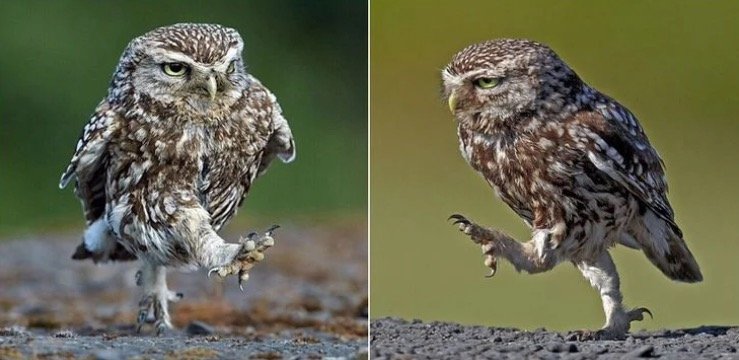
169	155
571	161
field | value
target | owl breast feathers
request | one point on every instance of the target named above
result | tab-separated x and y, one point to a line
175	146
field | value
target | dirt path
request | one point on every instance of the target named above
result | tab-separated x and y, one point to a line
400	339
307	299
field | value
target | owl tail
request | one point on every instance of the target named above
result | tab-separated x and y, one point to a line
99	245
664	246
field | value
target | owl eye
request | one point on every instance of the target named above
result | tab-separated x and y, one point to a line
486	83
231	67
174	69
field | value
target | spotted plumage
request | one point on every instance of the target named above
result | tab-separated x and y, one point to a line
170	153
571	161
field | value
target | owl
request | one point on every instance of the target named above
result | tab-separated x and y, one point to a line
573	163
169	155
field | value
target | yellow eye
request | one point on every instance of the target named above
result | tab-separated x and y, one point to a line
174	69
231	67
486	83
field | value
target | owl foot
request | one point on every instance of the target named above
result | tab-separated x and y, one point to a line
153	308
615	331
481	236
251	252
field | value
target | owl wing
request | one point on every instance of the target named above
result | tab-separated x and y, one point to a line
88	162
269	137
618	147
281	143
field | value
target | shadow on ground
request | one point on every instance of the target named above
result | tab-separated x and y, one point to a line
308	298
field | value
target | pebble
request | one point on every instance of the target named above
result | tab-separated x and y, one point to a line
641	352
199	328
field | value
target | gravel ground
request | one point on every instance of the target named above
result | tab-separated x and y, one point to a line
307	299
400	339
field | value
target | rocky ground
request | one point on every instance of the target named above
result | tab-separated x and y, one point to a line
308	299
401	339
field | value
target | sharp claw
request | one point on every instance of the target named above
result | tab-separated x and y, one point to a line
456	217
459	219
492	273
643	310
272	229
243	277
211	271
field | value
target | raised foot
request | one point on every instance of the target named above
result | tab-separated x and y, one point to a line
611	332
481	236
251	252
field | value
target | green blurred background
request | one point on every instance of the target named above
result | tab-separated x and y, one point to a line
58	57
673	63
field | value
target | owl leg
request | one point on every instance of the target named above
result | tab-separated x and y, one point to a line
603	276
154	302
229	259
528	256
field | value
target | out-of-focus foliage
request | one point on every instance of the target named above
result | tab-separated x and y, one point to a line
673	63
57	57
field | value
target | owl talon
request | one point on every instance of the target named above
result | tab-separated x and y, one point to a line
272	229
243	277
153	307
637	314
459	219
251	252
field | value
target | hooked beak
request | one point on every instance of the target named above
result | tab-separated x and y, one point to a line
212	87
452	102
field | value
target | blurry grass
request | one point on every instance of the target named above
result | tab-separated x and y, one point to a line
58	58
674	64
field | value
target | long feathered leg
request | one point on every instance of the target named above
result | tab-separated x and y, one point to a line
603	276
154	302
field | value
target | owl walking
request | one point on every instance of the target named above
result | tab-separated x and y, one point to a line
572	162
169	155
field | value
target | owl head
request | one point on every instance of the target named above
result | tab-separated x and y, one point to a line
192	65
502	79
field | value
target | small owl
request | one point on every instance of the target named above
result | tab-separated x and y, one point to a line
169	155
572	162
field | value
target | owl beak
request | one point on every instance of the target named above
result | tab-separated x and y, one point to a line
452	102
212	87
